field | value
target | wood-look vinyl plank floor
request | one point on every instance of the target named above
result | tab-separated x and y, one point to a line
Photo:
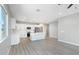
43	47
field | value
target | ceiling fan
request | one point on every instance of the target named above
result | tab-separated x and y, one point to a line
70	5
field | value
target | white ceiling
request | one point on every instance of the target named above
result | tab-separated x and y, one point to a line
48	12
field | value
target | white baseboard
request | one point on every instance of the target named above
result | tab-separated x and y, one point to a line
69	42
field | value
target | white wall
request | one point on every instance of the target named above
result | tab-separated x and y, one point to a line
53	30
68	29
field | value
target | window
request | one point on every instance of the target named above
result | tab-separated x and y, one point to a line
3	24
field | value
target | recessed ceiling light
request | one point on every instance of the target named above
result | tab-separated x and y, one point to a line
59	4
37	10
